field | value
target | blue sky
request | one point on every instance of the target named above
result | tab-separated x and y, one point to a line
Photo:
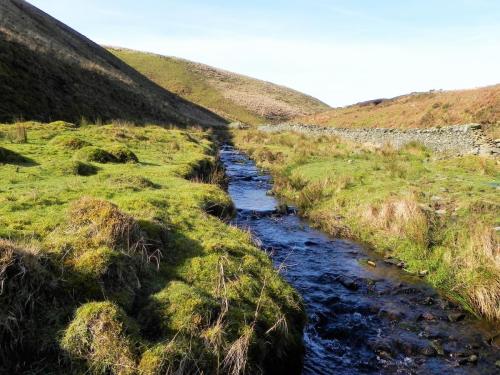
339	51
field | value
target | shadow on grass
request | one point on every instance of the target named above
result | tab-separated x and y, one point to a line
12	157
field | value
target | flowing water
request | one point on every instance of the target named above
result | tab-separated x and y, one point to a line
361	319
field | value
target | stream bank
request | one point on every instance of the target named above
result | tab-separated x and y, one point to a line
361	319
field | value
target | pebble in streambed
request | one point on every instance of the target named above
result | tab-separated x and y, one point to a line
361	319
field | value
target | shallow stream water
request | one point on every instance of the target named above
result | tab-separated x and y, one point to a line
361	319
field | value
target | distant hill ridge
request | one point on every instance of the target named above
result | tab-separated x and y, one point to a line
49	71
419	110
233	96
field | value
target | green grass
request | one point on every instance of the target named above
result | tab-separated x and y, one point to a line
232	96
437	215
174	75
120	266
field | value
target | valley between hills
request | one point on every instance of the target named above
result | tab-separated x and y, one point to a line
162	216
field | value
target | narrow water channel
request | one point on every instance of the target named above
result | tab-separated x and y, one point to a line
361	319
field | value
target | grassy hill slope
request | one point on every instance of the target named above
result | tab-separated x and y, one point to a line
49	71
419	110
231	95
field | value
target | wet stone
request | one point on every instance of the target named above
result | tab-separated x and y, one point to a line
329	301
407	290
348	283
494	341
432	332
412	346
472	359
392	261
427	301
391	314
429	351
311	243
381	346
438	347
427	316
456	317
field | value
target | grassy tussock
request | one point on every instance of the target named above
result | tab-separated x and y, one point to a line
94	154
77	168
28	287
100	334
20	272
235	361
18	134
131	274
400	217
122	154
69	142
136	183
435	214
100	223
477	253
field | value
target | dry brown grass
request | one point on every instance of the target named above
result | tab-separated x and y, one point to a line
103	224
18	134
26	289
401	217
236	358
420	111
481	252
264	99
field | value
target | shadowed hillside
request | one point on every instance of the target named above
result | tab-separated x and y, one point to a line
49	71
231	95
420	110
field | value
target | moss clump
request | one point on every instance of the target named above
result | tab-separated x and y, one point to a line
135	183
177	356
69	142
106	273
218	205
177	308
122	154
97	223
77	168
95	154
103	336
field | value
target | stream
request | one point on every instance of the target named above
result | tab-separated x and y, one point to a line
361	319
